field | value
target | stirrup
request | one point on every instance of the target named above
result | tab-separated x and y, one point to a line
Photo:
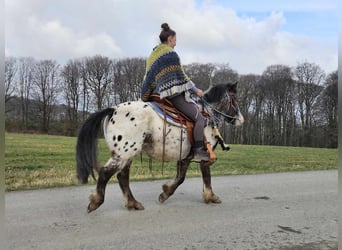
200	154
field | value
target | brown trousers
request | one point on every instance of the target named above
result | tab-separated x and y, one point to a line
191	110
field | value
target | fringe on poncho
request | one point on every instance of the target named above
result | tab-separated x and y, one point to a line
164	74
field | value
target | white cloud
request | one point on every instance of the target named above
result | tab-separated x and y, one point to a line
51	40
288	5
206	32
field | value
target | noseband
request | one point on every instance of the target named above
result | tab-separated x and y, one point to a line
232	108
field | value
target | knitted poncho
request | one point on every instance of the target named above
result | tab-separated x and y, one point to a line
164	74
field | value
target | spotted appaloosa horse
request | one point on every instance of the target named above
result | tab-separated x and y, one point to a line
132	127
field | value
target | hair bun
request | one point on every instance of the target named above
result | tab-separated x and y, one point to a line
165	27
166	32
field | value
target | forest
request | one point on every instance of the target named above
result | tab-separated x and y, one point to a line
286	106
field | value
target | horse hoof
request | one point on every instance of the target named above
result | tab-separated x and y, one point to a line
92	207
216	200
163	197
95	200
139	206
211	198
135	205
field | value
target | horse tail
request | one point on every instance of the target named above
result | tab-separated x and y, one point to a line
86	148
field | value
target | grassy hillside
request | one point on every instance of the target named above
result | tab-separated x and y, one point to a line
40	161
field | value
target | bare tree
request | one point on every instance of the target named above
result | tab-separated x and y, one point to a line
328	109
200	74
223	74
120	89
46	89
250	108
282	106
277	87
309	77
26	73
98	73
207	75
137	69
85	91
10	73
128	76
71	75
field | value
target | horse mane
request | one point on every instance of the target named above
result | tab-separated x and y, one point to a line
215	93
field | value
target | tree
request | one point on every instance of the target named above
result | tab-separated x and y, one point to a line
223	74
278	88
200	74
250	108
46	89
98	76
128	76
207	75
328	109
282	106
10	72
309	77
71	75
26	73
86	93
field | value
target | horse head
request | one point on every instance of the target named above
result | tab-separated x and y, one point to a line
224	104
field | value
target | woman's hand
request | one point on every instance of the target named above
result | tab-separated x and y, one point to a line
200	93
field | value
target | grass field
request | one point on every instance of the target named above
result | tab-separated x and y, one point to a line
41	161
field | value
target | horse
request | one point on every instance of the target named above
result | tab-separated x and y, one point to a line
134	127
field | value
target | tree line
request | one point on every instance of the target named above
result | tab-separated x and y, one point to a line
294	106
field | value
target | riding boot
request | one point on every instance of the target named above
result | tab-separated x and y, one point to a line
200	154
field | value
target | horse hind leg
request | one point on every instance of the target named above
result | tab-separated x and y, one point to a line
208	194
123	178
96	198
169	189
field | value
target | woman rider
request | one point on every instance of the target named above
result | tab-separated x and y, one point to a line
165	76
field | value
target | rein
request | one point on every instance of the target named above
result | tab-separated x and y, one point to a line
206	105
226	116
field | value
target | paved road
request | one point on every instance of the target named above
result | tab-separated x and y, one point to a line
272	211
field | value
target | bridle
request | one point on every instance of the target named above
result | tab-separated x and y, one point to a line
216	112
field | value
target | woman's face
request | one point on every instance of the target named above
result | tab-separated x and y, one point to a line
171	41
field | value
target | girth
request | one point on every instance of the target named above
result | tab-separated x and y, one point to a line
170	110
178	117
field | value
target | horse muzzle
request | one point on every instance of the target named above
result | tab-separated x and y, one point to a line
239	120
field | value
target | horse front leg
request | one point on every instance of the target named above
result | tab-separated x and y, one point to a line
97	197
123	178
208	194
169	189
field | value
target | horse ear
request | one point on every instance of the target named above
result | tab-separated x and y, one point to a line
232	86
235	86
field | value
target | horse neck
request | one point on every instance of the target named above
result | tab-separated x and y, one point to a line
214	120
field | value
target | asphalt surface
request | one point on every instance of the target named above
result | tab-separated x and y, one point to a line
271	211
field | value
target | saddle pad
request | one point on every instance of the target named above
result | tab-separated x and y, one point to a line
169	119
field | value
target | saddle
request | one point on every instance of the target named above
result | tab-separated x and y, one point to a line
176	116
170	111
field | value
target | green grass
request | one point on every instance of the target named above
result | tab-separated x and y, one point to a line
41	161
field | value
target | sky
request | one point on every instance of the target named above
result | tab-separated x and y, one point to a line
248	35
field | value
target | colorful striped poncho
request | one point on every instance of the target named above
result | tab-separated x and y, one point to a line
164	74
